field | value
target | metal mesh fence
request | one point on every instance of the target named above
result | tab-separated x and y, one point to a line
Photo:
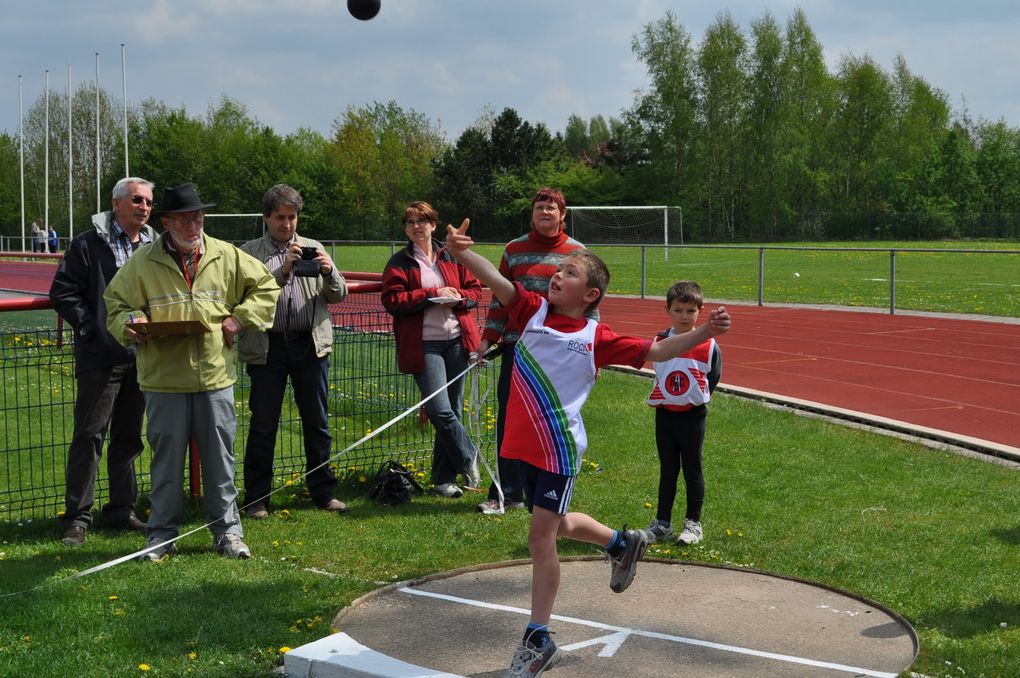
365	391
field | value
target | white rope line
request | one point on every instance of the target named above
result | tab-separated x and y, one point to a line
151	547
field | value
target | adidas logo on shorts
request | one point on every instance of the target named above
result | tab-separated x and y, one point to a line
551	494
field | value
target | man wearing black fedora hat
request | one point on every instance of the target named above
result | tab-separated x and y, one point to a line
187	372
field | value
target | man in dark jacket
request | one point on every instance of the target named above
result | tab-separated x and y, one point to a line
108	393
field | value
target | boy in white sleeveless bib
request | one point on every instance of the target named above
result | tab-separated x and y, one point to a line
683	387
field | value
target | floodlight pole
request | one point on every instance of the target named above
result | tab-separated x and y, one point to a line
70	161
123	79
46	160
98	207
21	171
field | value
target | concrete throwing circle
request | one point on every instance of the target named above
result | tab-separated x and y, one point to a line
677	617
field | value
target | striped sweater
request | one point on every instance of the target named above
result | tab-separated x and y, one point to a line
531	260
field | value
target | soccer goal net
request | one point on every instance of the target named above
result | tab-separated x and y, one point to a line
627	225
235	228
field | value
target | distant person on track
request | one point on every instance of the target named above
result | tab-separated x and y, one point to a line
188	376
555	362
53	240
431	298
530	260
683	386
38	236
108	395
297	347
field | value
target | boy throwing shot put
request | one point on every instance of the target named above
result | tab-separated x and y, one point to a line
554	369
683	387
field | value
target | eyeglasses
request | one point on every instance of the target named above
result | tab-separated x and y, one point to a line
417	222
138	200
196	219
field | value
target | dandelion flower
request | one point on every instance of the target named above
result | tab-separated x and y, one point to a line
729	532
192	655
113	598
284	650
648	504
144	667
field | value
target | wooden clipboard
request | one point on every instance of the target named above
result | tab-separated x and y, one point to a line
169	328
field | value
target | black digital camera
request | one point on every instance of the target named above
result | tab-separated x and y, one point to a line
307	266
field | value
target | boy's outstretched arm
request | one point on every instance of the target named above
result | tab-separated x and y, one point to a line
671	347
459	243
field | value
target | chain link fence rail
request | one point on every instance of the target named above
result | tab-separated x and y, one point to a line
365	391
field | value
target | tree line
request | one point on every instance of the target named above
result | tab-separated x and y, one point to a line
749	132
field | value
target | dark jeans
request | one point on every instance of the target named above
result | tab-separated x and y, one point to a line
290	355
511	471
453	451
107	400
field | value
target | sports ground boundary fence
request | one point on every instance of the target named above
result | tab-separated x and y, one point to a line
365	391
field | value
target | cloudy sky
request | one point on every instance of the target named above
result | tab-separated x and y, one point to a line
300	63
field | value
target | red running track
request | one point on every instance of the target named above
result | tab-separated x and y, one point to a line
951	374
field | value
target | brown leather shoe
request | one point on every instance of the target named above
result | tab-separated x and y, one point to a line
334	505
258	511
131	524
74	535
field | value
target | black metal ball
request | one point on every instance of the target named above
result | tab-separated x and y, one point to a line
363	9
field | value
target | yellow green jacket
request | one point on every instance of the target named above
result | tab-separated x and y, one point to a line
228	283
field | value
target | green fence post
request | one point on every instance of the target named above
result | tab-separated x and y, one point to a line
892	282
761	276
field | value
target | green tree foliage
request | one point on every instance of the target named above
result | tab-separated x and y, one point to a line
766	200
10	189
808	103
722	69
83	154
385	157
666	114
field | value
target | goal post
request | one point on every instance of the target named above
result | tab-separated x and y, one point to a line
628	225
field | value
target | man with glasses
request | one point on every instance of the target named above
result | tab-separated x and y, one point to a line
108	395
183	299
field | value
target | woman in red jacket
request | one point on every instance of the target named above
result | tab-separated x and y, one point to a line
430	297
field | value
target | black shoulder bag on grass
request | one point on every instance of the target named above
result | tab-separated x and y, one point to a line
394	485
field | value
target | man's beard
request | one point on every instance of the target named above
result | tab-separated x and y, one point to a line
185	246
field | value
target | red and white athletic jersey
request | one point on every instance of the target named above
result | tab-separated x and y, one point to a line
555	362
682	383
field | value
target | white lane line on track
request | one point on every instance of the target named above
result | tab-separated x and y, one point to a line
652	634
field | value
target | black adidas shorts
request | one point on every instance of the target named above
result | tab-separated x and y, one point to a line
549	490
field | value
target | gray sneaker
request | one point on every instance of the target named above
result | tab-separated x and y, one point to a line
691	533
230	545
625	565
448	490
530	661
658	531
491	507
160	552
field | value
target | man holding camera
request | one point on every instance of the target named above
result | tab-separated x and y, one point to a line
297	346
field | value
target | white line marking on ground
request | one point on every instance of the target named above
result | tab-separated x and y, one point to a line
652	634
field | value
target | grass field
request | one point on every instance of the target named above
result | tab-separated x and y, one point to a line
930	534
983	283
